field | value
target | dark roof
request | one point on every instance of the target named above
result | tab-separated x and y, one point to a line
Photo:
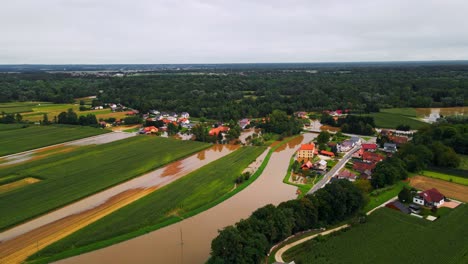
363	166
398	206
370	156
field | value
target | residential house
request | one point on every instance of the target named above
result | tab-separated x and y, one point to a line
244	122
149	130
346	174
217	130
345	146
362	167
355	140
301	114
371	157
321	165
308	165
185	115
431	197
306	151
327	153
390	147
369	147
399	140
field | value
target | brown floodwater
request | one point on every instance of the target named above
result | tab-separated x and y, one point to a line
445	111
159	177
189	241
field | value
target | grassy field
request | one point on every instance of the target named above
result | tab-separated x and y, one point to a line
70	176
446	177
34	111
384	195
16	139
171	203
389	236
391	118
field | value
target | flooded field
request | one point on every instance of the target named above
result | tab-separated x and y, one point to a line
431	114
92	208
189	241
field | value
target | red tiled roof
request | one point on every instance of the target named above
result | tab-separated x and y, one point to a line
310	146
370	156
216	131
367	146
346	174
308	165
363	166
327	153
399	139
432	195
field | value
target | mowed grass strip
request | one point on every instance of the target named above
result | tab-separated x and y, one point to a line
392	120
19	139
71	176
171	203
389	236
446	177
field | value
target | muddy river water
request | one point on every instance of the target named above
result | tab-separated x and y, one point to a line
189	241
17	243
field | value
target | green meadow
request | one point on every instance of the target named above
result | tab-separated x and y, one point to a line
391	118
16	138
185	197
389	236
74	175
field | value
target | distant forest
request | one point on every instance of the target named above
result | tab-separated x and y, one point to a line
234	94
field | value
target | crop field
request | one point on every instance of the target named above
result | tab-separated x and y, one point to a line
34	111
15	138
169	204
391	118
446	177
449	189
389	236
76	174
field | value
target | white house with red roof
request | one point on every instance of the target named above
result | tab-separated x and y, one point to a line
369	147
431	197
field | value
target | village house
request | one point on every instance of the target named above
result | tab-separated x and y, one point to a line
307	166
185	115
301	114
399	140
390	147
217	130
431	197
371	157
321	165
306	151
345	146
244	122
346	174
149	130
369	147
327	153
363	167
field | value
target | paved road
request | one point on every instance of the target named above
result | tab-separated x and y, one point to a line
326	178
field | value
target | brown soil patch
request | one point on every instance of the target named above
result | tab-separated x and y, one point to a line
449	189
330	128
17	184
18	249
421	112
122	128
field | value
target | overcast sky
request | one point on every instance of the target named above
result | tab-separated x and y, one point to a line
231	31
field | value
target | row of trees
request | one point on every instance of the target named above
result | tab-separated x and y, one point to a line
255	92
11	118
249	240
71	118
363	125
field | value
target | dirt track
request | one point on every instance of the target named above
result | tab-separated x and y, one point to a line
449	189
18	249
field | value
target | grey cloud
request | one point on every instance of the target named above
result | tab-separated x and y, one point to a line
145	31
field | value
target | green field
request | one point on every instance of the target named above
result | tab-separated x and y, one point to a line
389	236
391	118
18	107
446	177
171	203
14	138
71	176
383	195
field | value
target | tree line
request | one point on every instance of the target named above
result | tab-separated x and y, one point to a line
237	94
249	240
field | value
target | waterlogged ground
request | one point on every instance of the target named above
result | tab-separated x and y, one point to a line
189	241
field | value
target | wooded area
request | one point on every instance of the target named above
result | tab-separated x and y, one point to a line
253	93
